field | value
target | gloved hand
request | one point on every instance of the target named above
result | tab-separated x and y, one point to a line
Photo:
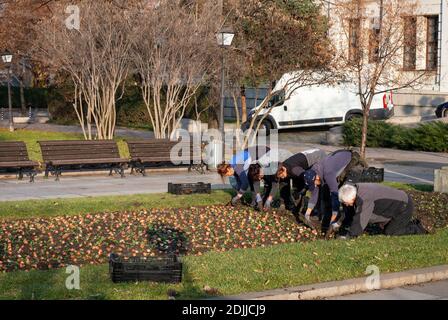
257	201
267	205
308	217
335	226
236	200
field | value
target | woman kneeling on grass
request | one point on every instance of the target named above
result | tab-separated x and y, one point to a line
375	203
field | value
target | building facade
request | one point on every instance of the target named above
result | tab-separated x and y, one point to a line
429	25
427	50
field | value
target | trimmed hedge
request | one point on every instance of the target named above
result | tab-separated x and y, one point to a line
36	97
432	136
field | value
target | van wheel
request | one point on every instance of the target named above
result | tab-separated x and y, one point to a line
266	125
352	116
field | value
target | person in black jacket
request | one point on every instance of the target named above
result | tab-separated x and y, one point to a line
293	169
265	170
375	203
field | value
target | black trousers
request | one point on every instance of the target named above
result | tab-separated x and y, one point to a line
401	224
285	192
323	207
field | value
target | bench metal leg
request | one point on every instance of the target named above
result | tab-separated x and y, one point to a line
20	175
57	172
199	167
117	169
139	168
32	175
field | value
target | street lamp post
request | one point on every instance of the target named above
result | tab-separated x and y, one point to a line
7	58
225	38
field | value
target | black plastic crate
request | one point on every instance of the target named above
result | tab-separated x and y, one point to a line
189	188
372	175
157	269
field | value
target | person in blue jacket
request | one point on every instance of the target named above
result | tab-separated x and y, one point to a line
237	168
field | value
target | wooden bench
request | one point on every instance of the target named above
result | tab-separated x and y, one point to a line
157	152
14	156
81	155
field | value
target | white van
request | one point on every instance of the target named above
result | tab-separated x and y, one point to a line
319	105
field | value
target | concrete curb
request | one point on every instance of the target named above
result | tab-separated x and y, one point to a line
346	287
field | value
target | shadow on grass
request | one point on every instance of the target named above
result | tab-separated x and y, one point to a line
190	289
34	287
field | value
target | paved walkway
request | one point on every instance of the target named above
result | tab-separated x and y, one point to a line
100	185
428	291
401	166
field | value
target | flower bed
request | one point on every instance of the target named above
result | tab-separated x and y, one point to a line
48	243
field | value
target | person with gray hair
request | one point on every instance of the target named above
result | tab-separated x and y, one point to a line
376	203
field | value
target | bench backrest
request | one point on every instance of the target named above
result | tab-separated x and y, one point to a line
13	151
161	149
79	149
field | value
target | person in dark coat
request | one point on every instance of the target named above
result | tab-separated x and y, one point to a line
324	180
264	170
379	204
293	168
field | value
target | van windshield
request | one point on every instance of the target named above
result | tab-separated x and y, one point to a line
277	99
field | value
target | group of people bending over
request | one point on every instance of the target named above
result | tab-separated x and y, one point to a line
337	202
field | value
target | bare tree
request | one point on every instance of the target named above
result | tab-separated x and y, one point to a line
17	35
373	49
95	56
174	57
273	38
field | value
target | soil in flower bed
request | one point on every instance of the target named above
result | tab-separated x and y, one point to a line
46	243
431	208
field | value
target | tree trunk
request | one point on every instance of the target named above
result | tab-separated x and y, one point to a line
213	118
365	122
22	99
243	105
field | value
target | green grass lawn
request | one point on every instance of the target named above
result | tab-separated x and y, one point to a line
247	270
31	137
74	206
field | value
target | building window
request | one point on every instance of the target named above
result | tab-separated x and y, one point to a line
374	42
354	39
410	43
432	44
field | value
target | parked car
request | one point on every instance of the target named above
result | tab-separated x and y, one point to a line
442	110
317	105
